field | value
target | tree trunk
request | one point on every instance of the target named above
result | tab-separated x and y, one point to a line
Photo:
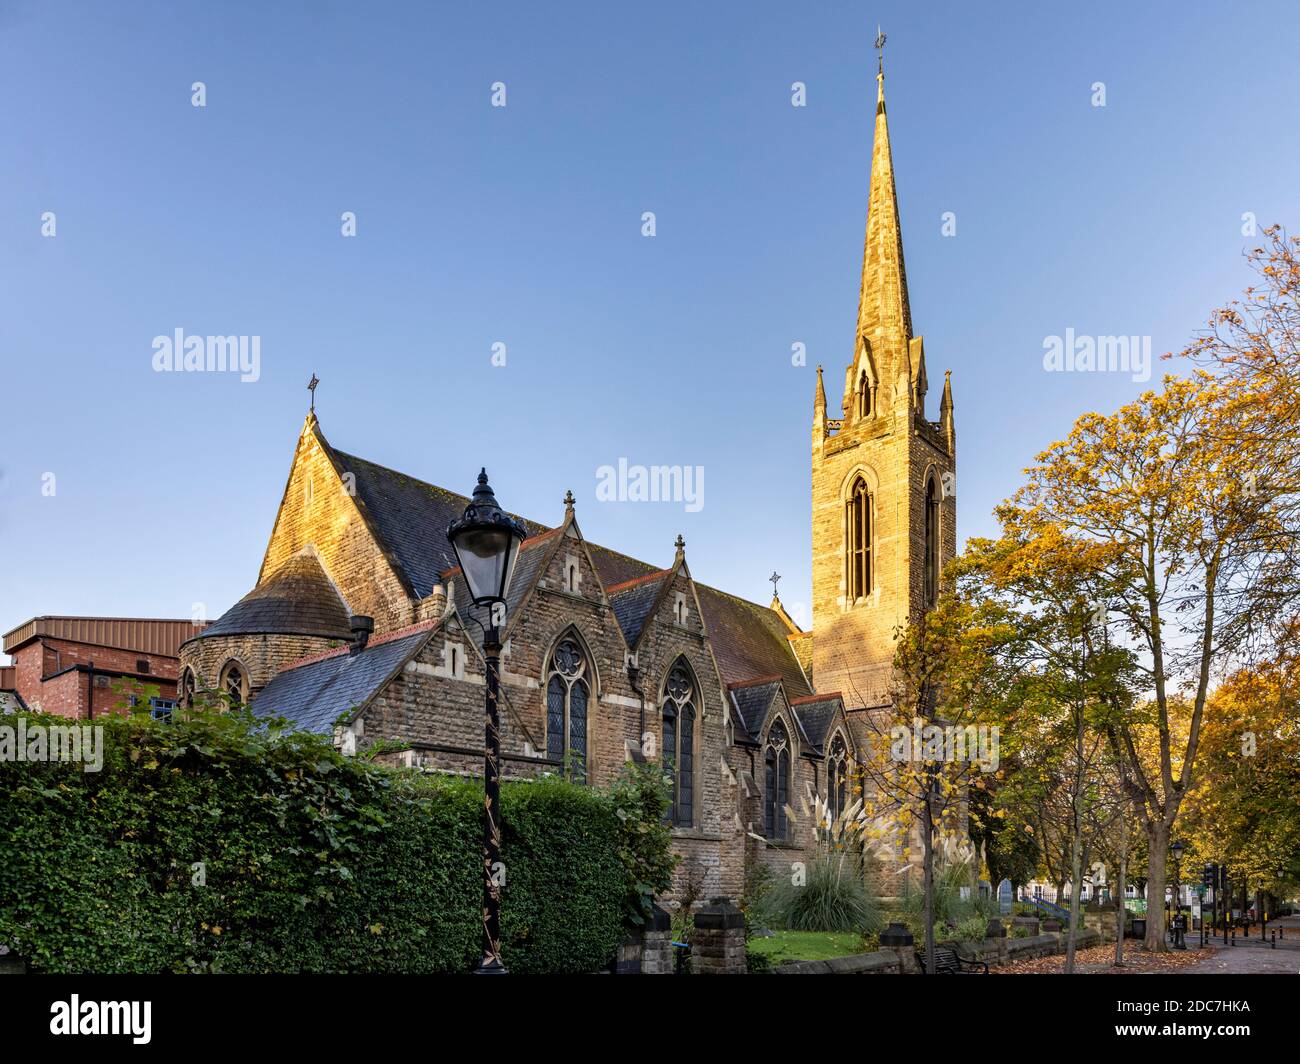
928	851
1119	900
1158	844
1076	878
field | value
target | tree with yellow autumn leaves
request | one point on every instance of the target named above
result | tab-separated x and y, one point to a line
1150	554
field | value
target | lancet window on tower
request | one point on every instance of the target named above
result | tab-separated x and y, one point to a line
931	542
864	395
858	536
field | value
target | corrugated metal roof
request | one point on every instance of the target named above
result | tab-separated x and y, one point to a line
146	635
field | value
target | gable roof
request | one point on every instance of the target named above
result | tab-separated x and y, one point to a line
634	601
816	714
752	701
750	640
297	599
314	694
409	518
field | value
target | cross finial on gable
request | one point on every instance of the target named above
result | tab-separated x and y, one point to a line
680	544
311	387
568	503
774	578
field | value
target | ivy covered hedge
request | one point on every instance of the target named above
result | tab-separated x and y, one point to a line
216	844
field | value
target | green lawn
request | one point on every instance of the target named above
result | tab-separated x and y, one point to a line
807	945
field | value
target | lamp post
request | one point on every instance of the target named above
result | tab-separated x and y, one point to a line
486	540
1177	851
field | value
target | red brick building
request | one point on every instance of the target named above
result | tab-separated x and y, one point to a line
84	667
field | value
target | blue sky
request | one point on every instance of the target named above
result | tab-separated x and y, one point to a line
522	225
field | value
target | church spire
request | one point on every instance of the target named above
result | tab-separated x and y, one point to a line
946	422
884	317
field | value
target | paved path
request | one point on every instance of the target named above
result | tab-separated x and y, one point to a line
1255	957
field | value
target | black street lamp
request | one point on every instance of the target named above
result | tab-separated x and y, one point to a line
486	540
1177	851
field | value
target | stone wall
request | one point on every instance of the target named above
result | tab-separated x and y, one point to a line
262	656
320	508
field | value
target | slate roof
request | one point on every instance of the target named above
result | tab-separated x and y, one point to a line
313	695
297	599
616	568
815	716
749	640
633	601
752	701
410	518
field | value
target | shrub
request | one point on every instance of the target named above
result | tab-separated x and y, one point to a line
218	843
971	930
833	898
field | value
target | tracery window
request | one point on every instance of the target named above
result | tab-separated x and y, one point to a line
679	703
837	778
568	692
234	682
776	782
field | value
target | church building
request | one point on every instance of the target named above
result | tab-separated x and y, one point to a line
358	625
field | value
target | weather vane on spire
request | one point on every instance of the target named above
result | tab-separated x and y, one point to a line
880	48
311	387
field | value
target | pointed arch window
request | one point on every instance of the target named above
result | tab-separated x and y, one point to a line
837	778
234	682
864	395
568	693
931	542
185	689
776	782
679	702
857	531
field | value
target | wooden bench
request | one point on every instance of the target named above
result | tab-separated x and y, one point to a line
946	962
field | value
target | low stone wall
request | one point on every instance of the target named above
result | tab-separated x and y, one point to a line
881	962
718	941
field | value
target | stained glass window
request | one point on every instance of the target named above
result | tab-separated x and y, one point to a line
837	778
567	695
679	744
776	792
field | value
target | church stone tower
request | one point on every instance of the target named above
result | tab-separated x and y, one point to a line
883	476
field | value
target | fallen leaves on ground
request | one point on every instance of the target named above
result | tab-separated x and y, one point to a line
1099	960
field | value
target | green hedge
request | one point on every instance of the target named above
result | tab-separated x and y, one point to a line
310	862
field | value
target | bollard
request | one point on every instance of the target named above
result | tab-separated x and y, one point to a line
1274	942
